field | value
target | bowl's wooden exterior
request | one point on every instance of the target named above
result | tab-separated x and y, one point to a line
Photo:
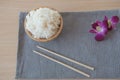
45	39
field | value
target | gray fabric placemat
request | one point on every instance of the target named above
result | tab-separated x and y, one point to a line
74	42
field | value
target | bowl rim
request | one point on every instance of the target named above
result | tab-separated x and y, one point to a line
44	39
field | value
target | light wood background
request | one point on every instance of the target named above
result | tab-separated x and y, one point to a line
9	11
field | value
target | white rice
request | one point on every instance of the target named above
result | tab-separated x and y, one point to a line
43	22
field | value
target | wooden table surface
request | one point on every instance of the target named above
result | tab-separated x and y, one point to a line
9	12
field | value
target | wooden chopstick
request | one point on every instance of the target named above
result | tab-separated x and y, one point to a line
81	64
72	68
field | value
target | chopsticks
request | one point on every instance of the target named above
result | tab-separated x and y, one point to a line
72	68
71	60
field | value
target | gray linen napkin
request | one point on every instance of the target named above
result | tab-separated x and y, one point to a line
74	42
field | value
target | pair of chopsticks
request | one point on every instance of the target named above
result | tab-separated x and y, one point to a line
71	60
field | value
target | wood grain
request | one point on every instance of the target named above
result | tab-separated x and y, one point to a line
9	13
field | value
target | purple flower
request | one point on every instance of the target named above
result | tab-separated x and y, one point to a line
100	29
112	22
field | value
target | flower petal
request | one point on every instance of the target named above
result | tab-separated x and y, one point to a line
105	31
92	31
104	27
105	24
94	25
105	18
99	37
98	22
115	19
110	28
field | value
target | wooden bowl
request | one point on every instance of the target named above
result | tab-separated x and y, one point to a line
45	39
